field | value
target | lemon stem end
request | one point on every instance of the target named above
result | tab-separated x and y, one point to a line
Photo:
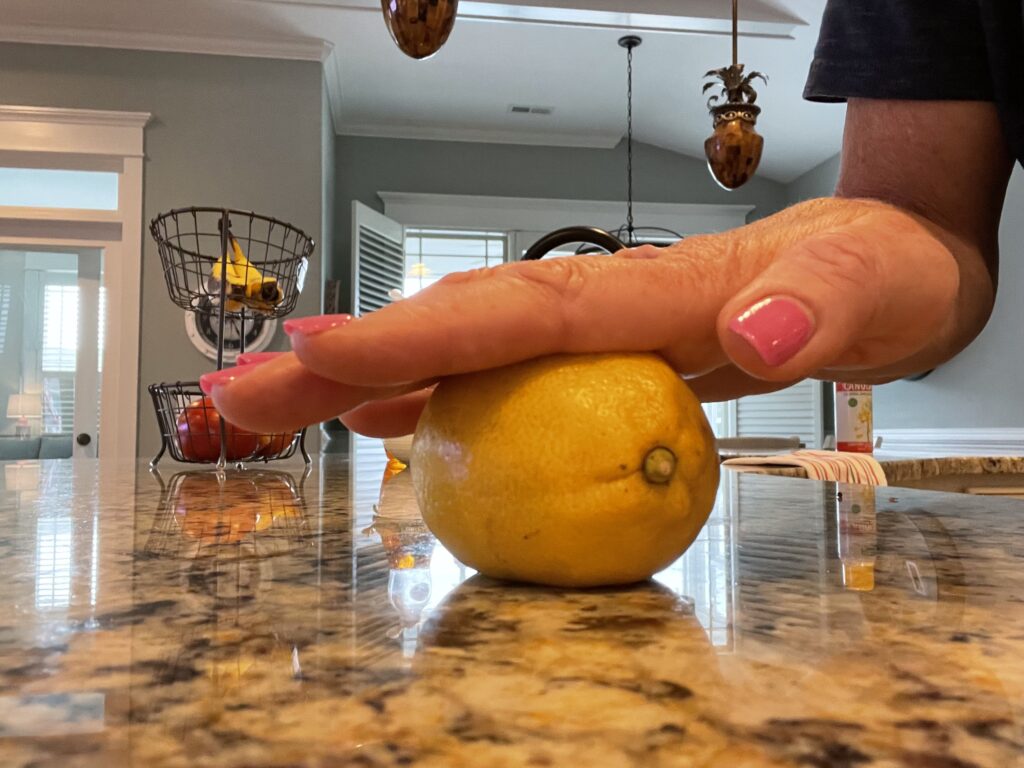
659	466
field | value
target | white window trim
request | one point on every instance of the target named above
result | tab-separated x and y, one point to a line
79	139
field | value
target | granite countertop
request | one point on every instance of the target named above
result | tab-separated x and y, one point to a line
900	469
277	620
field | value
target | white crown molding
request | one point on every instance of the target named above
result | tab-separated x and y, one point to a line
60	115
481	135
952	442
296	49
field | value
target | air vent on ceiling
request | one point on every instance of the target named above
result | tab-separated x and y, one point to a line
525	109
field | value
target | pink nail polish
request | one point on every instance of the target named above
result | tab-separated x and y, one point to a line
311	326
256	358
776	328
208	382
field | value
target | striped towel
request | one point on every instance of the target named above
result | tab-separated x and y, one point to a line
859	468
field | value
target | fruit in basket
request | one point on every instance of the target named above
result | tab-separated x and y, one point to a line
570	470
275	444
245	285
199	434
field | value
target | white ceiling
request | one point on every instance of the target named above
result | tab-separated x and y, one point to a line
552	53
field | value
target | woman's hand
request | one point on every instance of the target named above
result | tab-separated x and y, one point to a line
852	289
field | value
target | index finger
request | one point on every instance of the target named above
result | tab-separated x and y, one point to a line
491	317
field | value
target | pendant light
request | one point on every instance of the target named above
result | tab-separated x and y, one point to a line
419	27
628	232
734	149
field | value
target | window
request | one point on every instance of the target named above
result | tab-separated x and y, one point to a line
430	254
59	353
44	188
60	328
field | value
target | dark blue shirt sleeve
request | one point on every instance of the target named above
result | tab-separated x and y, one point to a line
901	49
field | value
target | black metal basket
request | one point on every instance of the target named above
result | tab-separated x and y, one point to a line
248	262
193	433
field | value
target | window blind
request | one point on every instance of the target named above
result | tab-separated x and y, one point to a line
59	353
795	411
5	312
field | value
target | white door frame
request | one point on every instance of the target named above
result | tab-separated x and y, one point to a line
93	140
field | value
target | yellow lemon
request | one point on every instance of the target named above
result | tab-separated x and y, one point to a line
570	470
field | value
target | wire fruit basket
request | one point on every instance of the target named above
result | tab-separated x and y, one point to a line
240	261
193	432
222	263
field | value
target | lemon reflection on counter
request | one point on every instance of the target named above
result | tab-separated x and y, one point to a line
414	577
422	573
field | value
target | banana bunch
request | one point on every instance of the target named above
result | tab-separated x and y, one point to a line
245	285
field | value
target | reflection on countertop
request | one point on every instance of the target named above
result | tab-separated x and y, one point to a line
269	617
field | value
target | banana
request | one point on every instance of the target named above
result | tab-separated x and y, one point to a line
245	284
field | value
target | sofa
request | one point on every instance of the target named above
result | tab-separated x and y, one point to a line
56	446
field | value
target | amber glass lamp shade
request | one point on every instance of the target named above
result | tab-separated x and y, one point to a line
419	27
734	149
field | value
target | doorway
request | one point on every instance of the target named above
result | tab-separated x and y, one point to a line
52	310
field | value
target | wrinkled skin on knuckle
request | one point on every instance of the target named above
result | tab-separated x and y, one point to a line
557	280
843	260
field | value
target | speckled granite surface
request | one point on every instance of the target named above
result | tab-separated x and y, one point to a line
268	621
899	470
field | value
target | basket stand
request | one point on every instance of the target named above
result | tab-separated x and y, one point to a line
184	271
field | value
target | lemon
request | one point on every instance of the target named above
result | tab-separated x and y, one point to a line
569	470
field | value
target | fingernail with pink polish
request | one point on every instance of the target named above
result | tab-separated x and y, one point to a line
255	358
777	329
311	326
208	382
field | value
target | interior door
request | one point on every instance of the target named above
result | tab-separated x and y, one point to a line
51	335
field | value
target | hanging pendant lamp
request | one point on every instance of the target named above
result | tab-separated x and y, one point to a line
419	27
734	149
629	233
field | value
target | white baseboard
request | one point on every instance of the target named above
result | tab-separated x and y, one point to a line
952	442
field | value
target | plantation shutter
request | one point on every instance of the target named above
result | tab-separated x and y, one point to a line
58	353
5	311
378	263
795	411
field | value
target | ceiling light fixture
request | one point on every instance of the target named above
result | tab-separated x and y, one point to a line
419	27
596	240
628	232
734	149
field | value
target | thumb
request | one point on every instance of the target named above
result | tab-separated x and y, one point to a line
862	295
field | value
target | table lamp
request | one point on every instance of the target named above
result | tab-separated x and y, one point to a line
24	407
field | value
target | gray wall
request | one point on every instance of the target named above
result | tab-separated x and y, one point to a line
980	387
366	166
820	181
226	131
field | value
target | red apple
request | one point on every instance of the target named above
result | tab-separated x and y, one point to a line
276	444
199	434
